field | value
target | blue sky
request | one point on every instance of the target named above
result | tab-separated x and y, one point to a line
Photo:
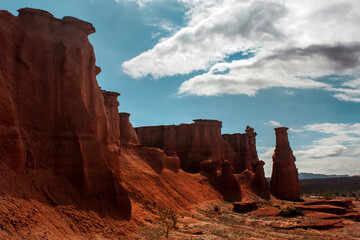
258	63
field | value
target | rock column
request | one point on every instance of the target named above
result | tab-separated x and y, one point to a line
284	182
127	132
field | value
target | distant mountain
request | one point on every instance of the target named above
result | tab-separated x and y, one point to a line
314	175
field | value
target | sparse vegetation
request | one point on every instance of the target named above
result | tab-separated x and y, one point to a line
327	195
276	205
168	220
288	211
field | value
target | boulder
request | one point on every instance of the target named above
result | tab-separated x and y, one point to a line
244	207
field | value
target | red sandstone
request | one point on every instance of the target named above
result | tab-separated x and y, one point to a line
284	182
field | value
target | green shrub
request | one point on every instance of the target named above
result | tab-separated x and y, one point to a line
328	196
288	211
276	205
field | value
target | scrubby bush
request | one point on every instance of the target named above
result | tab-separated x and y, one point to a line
328	196
276	205
168	220
288	211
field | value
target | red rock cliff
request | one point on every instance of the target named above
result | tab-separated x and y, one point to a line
245	147
192	143
127	132
284	182
52	111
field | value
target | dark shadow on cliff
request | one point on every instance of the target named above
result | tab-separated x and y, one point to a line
44	186
225	183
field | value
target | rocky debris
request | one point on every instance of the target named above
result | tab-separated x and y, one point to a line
355	216
259	184
196	231
52	112
338	206
324	208
127	132
313	224
284	182
345	203
244	207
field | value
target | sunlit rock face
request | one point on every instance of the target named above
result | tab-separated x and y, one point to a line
52	112
127	132
192	143
284	182
244	144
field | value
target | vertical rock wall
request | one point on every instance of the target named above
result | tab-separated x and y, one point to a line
52	111
127	132
192	143
284	182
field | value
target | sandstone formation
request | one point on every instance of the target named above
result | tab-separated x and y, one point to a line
284	182
200	141
52	111
245	147
127	132
228	186
244	207
192	143
111	107
259	184
70	163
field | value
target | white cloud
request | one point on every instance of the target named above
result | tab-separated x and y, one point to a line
274	123
289	92
278	124
141	3
336	153
295	43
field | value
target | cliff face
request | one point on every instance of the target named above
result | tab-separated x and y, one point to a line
127	132
284	182
53	113
192	143
245	147
200	141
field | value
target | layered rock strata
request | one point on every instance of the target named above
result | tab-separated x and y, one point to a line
244	145
52	112
127	132
259	184
284	182
192	143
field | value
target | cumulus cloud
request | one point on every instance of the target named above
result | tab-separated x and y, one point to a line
278	124
337	152
274	123
141	3
294	44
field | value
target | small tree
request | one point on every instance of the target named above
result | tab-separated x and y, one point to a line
168	220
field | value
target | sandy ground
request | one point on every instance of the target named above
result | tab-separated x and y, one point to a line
218	221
